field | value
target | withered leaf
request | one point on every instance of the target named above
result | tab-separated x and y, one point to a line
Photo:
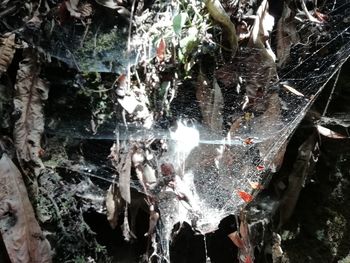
124	177
286	35
30	92
113	205
20	231
122	163
261	29
7	50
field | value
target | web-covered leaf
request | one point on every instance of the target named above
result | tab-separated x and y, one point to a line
20	231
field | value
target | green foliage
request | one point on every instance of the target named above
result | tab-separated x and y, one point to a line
179	22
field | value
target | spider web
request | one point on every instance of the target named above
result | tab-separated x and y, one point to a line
213	188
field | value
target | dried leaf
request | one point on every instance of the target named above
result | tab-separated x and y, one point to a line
113	205
124	177
286	35
20	231
261	30
7	50
30	92
123	166
329	133
161	50
293	90
245	196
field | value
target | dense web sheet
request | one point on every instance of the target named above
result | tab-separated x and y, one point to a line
215	167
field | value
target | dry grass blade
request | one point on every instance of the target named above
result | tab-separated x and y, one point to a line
20	231
30	92
329	133
293	90
7	50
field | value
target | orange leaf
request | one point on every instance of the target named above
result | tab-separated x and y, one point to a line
161	50
245	196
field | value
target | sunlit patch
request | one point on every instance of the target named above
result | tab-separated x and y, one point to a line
186	137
